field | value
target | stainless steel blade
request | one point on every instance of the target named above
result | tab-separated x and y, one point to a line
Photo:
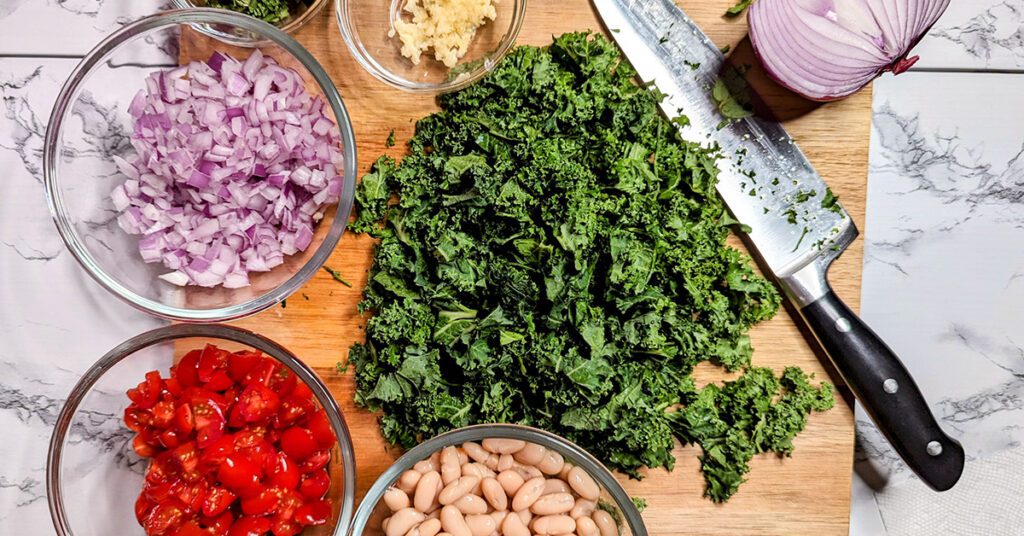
765	179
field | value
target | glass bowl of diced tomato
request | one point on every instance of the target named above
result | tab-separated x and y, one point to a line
193	430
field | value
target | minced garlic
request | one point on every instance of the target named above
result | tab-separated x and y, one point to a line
447	26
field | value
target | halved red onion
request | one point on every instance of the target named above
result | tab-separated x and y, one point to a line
829	49
234	165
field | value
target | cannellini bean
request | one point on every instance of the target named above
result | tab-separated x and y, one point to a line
505	462
492	462
531	454
457	489
433	463
555	485
510	481
430	527
552	463
564	473
525	516
407	482
495	496
453	522
402	521
500	445
471	504
605	523
499	517
475	452
481	524
586	527
554	503
396	499
444	534
528	494
583	484
463	457
583	508
527	471
557	524
513	526
384	524
426	492
451	469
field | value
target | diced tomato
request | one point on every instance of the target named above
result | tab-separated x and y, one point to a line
298	443
294	409
191	528
322	430
315	484
315	462
217	501
211	360
208	417
219	381
214	454
164	518
250	526
313	513
183	420
237	446
238	473
142	448
186	370
282	472
163	413
148	392
264	502
240	363
142	507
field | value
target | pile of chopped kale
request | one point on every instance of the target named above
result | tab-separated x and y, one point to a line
556	257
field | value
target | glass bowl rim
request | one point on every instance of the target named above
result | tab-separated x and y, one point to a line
378	71
580	457
292	26
51	154
122	351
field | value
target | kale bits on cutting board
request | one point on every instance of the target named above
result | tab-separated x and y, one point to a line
557	258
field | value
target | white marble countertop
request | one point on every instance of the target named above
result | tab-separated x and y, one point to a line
943	275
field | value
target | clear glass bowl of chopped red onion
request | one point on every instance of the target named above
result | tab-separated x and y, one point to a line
196	180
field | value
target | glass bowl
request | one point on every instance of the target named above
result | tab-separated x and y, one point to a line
372	511
365	25
93	476
301	12
91	124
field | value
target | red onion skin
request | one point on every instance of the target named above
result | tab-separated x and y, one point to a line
899	66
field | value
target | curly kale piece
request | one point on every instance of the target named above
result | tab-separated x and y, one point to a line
552	253
271	11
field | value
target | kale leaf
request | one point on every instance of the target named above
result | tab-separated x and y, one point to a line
553	254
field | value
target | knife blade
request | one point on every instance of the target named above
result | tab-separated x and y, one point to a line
770	187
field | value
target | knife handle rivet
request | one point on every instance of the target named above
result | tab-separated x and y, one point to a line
843	325
934	448
890	386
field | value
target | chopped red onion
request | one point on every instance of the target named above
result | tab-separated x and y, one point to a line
234	165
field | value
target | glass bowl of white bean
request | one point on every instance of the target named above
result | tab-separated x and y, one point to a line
497	479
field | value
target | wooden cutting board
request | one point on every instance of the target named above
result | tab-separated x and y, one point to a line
808	493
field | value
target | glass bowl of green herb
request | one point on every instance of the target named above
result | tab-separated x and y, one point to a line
288	15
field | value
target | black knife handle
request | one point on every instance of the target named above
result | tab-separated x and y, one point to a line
886	390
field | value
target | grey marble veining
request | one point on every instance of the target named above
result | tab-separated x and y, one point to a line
976	34
65	27
942	274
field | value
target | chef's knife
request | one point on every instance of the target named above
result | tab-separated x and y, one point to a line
767	183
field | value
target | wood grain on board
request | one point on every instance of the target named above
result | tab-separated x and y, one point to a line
805	494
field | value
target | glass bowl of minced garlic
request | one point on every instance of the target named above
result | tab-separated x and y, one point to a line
429	46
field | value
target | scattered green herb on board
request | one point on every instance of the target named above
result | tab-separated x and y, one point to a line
739	8
831	202
271	11
336	275
556	257
390	142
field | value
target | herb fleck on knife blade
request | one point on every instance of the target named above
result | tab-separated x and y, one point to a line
556	257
